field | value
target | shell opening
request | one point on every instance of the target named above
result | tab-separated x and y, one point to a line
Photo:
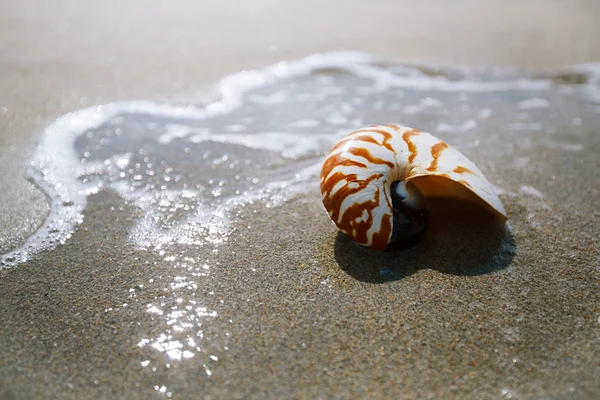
410	218
409	194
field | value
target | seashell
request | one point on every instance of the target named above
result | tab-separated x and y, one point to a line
375	182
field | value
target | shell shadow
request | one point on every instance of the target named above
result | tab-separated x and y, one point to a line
462	239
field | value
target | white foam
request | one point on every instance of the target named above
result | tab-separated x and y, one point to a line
275	98
485	113
454	128
174	131
60	169
526	126
305	123
574	147
288	144
423	105
55	159
533	103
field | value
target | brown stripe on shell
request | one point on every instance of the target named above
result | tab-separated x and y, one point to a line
462	170
386	137
361	138
436	150
338	160
412	148
387	196
366	154
381	238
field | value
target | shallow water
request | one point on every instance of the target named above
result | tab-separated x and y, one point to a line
187	177
190	168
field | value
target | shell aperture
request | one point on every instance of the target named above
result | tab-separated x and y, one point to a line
410	216
374	183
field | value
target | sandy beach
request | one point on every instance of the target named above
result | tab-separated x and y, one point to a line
287	307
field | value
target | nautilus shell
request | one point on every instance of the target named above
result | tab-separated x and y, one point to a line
375	182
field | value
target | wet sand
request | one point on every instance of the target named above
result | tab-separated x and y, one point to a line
458	316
